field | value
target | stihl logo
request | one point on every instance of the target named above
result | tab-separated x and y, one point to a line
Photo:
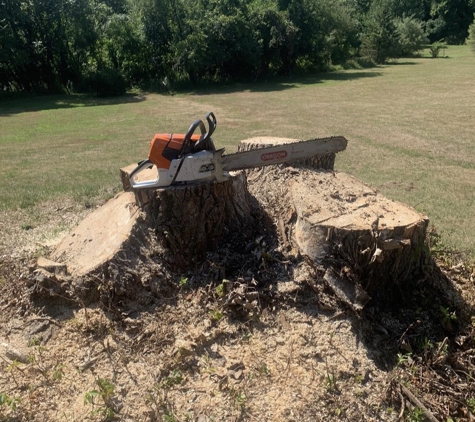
271	156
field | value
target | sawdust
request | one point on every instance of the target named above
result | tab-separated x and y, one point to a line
254	334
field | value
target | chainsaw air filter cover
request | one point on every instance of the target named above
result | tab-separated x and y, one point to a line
166	147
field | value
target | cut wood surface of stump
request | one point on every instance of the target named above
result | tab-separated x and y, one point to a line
100	237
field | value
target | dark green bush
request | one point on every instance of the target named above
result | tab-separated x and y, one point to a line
106	82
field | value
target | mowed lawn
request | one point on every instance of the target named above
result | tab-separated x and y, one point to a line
410	126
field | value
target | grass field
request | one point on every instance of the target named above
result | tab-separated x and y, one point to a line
410	126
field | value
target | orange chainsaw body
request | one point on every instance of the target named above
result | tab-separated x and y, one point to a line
166	147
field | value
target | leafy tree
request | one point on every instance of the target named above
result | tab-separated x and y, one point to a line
44	43
215	41
276	35
417	9
125	49
450	19
323	33
341	33
164	30
55	46
379	37
411	36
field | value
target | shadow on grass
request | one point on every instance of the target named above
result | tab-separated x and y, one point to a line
399	63
10	105
21	104
275	85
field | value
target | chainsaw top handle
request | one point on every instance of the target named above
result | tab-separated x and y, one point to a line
211	118
185	147
205	143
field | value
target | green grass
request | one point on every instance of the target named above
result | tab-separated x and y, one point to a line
409	125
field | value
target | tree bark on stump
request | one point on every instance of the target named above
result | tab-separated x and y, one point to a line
192	219
367	243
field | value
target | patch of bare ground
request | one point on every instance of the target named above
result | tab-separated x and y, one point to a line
254	333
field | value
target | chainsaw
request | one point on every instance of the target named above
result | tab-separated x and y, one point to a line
193	158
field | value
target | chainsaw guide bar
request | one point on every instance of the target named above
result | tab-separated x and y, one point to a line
193	158
284	153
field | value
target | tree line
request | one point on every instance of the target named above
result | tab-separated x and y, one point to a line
107	46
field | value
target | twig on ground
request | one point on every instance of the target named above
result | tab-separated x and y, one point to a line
416	402
403	404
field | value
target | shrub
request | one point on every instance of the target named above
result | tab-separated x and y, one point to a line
411	36
379	39
106	82
435	48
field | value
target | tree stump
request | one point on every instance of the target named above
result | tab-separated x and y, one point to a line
192	219
366	243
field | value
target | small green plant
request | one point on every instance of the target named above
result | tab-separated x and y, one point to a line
447	318
58	372
37	358
330	382
175	378
105	391
183	281
169	417
220	290
12	368
402	358
240	399
6	400
247	337
34	342
264	370
216	315
434	48
416	415
471	404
